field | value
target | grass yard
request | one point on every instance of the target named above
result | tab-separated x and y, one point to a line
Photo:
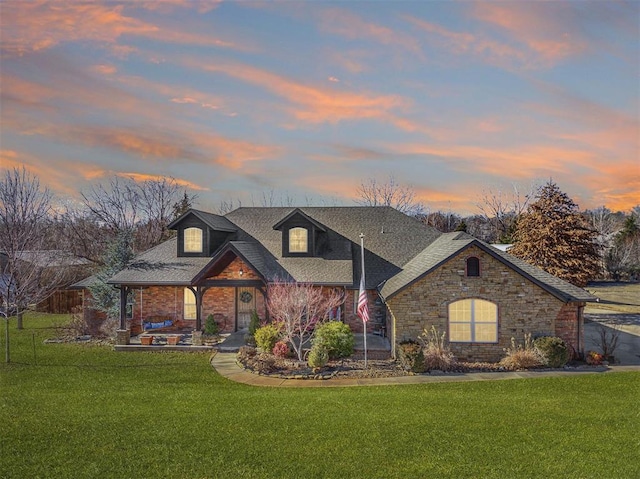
620	297
86	411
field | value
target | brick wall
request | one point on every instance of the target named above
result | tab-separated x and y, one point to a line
523	307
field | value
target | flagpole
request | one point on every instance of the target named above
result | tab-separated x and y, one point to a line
362	280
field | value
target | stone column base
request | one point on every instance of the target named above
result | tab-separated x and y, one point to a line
196	338
122	336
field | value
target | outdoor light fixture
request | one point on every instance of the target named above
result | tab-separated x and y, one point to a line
241	272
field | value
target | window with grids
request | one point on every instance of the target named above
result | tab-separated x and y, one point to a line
193	240
473	321
189	304
298	240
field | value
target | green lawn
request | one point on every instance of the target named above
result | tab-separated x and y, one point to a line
90	412
620	297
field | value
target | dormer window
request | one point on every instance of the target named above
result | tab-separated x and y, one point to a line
298	240
193	240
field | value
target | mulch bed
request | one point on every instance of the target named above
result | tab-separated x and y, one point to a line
268	365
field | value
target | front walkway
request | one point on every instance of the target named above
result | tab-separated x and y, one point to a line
225	364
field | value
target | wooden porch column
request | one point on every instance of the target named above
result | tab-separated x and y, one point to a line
123	334
124	292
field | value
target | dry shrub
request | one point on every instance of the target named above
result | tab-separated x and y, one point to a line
522	356
437	354
77	325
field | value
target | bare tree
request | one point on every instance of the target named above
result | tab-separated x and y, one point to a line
503	208
29	273
443	221
402	198
299	307
157	200
142	210
115	205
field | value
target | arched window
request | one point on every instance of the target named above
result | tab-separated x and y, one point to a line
189	304
473	266
473	321
193	240
298	240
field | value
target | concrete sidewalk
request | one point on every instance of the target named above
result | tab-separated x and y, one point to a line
225	364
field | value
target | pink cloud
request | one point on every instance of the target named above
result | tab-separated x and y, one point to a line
540	26
34	26
349	25
314	104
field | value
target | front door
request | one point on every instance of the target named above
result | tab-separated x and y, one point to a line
246	303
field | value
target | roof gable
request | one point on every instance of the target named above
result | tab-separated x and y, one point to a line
300	213
215	222
452	244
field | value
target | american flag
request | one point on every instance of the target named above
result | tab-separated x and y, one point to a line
363	306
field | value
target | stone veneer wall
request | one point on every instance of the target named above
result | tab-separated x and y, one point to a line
523	307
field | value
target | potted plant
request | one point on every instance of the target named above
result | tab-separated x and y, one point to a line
146	340
174	339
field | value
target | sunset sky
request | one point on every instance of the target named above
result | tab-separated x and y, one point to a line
309	99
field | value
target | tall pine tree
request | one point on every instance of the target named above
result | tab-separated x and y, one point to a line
555	237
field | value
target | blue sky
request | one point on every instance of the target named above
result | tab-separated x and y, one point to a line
306	100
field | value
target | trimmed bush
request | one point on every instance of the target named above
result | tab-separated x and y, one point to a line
337	339
281	349
210	326
411	356
554	351
254	324
318	357
267	336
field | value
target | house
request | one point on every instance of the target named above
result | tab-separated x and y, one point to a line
416	277
50	273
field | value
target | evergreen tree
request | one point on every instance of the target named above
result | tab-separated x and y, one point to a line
555	237
105	297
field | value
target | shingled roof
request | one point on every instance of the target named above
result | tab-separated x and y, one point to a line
161	265
399	250
451	244
391	239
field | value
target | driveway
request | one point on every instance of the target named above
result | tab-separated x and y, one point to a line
628	326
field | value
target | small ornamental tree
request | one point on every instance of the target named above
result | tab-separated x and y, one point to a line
552	235
299	307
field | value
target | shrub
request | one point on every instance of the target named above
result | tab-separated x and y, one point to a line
437	354
522	356
281	349
210	326
318	357
411	356
254	324
554	351
593	358
267	336
337	339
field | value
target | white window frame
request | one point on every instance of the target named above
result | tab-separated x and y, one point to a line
296	236
190	305
193	240
472	322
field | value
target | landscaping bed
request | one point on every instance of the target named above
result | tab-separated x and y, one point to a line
268	365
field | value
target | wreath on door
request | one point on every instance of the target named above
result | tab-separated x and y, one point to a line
246	297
